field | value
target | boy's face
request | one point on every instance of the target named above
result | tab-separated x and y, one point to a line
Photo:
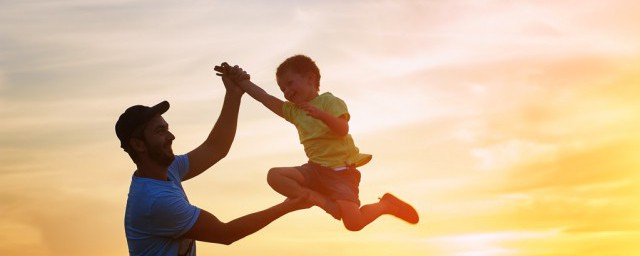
297	88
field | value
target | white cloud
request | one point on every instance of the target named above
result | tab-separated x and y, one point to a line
3	81
514	152
486	243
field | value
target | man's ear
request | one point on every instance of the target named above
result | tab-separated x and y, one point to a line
137	145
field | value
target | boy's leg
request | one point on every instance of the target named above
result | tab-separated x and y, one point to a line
400	209
288	181
355	218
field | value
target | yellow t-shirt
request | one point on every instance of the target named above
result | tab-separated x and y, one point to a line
322	145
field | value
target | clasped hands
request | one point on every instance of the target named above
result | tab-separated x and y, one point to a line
231	76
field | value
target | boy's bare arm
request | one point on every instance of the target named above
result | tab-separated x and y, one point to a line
272	103
241	79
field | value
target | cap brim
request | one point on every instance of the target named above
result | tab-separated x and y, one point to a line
160	108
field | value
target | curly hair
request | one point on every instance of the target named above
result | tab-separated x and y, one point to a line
300	64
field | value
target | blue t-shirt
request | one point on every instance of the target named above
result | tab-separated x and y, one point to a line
158	213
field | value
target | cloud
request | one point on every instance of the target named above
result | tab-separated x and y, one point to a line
489	243
607	163
51	220
513	152
19	238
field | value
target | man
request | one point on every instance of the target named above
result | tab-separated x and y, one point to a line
159	219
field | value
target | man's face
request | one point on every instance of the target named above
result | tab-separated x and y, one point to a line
158	140
297	88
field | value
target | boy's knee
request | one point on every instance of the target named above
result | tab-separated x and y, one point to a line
274	171
352	224
274	174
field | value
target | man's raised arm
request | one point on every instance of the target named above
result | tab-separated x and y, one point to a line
219	141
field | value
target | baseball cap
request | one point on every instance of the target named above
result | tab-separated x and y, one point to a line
134	117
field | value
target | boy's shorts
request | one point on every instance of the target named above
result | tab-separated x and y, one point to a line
336	185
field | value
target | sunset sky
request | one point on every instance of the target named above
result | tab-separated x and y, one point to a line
512	126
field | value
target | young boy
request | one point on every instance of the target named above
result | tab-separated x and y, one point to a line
330	177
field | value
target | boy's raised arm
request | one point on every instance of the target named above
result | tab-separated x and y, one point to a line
241	78
268	100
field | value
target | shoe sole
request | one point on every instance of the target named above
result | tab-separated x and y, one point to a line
406	211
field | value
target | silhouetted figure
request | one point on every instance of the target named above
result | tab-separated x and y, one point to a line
159	219
330	176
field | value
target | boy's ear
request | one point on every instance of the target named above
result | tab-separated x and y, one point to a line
312	79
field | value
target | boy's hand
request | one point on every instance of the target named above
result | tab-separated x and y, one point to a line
235	73
311	110
339	125
238	74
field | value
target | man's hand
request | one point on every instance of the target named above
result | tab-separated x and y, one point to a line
231	86
298	203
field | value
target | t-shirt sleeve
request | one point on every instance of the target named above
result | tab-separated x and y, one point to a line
288	111
336	107
179	166
172	216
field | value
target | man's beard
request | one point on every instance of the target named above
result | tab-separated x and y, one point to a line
156	154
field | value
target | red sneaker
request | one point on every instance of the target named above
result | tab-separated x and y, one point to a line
401	209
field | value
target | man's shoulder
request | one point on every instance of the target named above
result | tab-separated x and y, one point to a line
178	167
149	188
